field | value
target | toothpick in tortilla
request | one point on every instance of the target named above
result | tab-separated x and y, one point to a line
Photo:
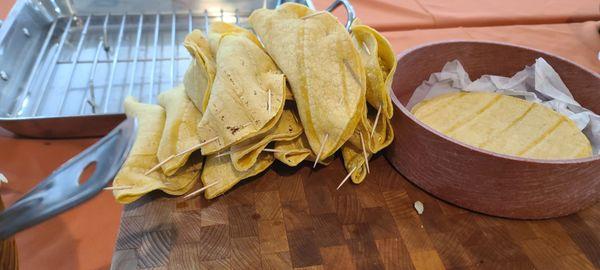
264	150
366	48
191	149
320	150
118	187
376	120
269	102
199	191
346	178
312	15
362	141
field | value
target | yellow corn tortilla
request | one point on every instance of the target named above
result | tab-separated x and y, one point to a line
245	154
505	124
382	137
180	132
142	157
200	74
323	67
297	150
289	96
380	65
220	29
352	151
238	104
294	151
354	158
220	170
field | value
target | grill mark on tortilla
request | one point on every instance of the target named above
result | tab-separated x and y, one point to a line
471	117
447	103
541	137
518	119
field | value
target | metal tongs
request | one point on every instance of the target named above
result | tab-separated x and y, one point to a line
350	15
62	191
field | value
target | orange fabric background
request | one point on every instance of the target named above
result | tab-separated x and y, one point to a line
389	15
5	7
578	42
84	237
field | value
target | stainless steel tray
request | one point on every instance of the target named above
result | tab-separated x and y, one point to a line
67	65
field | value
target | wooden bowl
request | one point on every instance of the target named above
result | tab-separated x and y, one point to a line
477	179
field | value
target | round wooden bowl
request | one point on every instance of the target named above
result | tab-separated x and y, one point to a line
481	180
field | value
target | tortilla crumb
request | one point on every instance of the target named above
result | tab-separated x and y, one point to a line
419	207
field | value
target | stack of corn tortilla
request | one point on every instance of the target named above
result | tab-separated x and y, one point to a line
302	88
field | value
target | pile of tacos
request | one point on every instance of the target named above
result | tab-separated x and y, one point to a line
298	87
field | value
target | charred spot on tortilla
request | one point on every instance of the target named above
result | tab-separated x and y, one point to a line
233	129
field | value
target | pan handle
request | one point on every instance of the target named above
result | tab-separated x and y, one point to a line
62	191
350	15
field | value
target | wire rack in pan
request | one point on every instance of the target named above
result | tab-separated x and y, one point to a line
85	64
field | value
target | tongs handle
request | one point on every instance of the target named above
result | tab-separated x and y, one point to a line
350	16
62	191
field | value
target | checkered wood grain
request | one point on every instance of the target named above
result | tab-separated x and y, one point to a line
294	218
8	251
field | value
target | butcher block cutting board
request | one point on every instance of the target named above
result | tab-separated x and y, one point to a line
294	218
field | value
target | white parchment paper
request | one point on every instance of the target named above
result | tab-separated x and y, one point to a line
536	83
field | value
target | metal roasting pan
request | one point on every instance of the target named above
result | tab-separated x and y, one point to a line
67	65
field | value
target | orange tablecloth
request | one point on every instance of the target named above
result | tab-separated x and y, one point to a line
390	15
84	237
578	42
5	7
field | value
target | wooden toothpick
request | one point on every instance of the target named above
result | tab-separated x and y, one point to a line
168	184
191	149
269	102
320	150
264	150
118	187
362	141
366	48
346	178
245	125
312	15
349	67
376	120
199	191
223	154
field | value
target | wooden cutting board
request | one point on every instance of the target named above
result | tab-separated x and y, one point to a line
295	218
8	251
